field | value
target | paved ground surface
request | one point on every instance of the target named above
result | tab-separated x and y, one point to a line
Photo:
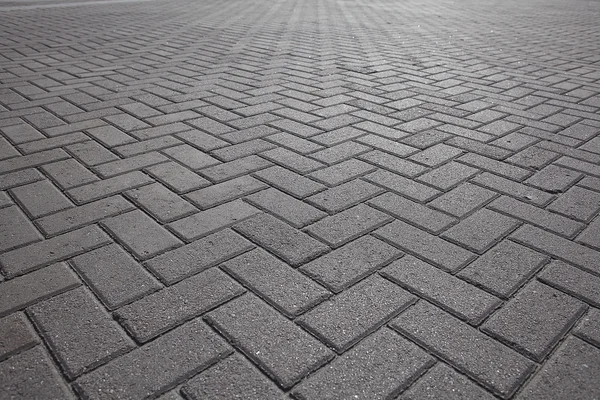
309	199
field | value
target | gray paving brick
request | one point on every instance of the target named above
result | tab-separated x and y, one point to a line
414	213
439	252
334	136
342	172
109	187
589	327
294	246
294	212
19	178
15	229
573	281
225	191
286	356
558	247
488	362
450	293
577	203
571	373
129	164
155	368
591	235
177	178
91	153
158	312
494	166
350	263
463	199
378	368
31	375
146	146
292	160
244	149
348	225
503	268
156	131
425	139
32	160
517	323
160	202
533	157
21	133
16	335
18	293
277	283
126	228
40	198
212	220
344	196
215	383
77	217
198	256
201	140
513	189
353	314
52	143
244	135
404	186
394	164
40	254
233	169
481	230
578	165
114	275
477	147
55	319
554	179
191	157
69	173
110	136
340	152
443	382
436	155
388	146
448	175
290	182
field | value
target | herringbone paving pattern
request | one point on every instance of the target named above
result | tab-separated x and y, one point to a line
306	199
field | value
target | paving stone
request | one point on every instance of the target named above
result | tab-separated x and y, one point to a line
244	149
558	247
414	213
342	172
77	217
503	268
69	173
481	230
114	276
292	160
350	263
573	281
463	199
19	178
16	335
201	140
443	382
533	157
212	220
494	166
15	229
233	169
436	155
448	175
513	189
32	160
31	375
225	191
388	146
215	383
162	130
90	153
191	157
146	146
40	254
571	373
577	203
21	133
129	164
344	196
155	368
287	354
294	143
450	293
589	327
392	163
290	182
488	362
294	246
55	318
198	256
334	136
158	312
18	293
294	212
110	136
52	143
277	283
380	367
109	187
338	153
554	179
404	186
160	202
177	178
477	147
425	139
351	315
518	322
40	198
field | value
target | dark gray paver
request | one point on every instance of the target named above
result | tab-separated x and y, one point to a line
378	368
158	366
287	354
16	335
492	364
225	191
15	229
344	196
589	327
56	317
160	202
463	199
573	281
40	198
